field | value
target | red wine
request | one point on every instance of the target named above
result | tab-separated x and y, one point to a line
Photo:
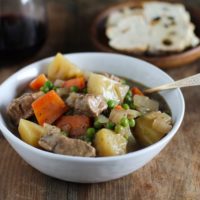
20	36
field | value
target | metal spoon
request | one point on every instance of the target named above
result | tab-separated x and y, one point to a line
185	82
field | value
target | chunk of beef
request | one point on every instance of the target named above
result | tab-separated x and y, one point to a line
21	106
89	105
60	144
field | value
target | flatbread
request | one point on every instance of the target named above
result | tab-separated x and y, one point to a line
170	29
157	28
126	35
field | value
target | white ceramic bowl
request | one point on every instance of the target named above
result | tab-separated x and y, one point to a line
91	170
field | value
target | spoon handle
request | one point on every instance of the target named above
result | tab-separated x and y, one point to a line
185	82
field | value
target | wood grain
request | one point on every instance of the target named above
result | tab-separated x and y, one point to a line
173	175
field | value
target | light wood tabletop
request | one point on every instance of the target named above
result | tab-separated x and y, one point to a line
173	175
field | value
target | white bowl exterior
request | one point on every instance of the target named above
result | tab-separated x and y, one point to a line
90	170
84	171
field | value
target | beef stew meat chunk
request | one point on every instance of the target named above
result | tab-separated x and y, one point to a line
21	106
89	105
60	144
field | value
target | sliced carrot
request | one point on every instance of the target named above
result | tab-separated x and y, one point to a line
137	91
78	82
49	107
77	124
38	82
118	107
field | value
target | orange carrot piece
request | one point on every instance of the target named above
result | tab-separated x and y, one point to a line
78	82
38	82
137	91
118	107
49	107
76	124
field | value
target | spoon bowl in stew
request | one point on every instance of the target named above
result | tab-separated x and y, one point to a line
98	169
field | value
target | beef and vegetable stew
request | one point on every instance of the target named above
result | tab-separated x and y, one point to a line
71	112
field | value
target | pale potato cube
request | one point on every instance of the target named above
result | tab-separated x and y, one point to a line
108	143
152	127
62	68
108	88
30	132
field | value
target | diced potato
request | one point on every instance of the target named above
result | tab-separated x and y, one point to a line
162	122
144	104
30	132
108	143
101	85
62	68
151	127
110	89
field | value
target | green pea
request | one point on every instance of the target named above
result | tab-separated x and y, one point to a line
44	89
111	104
90	133
118	128
73	89
97	125
49	84
41	88
125	106
131	123
110	125
124	122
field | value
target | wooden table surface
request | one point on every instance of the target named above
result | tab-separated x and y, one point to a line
173	175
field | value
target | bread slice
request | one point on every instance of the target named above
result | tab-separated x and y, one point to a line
157	28
154	9
116	16
193	40
175	39
170	29
130	34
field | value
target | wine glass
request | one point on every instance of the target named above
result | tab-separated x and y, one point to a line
23	28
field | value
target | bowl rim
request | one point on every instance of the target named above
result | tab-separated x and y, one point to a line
7	133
